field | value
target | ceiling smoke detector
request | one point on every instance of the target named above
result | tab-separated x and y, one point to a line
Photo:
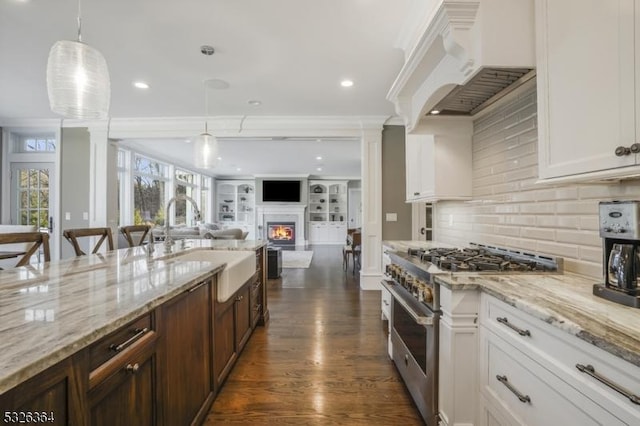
207	50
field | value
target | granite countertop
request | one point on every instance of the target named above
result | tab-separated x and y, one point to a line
564	301
49	312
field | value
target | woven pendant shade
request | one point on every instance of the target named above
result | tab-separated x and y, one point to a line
205	150
78	81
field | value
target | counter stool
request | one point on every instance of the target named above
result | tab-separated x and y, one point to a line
72	236
352	248
141	230
23	245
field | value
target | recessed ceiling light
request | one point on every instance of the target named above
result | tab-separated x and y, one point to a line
141	84
318	158
216	83
255	102
435	112
219	158
207	50
346	83
319	169
187	141
238	169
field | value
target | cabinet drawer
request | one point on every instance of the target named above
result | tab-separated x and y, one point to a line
529	393
559	352
113	344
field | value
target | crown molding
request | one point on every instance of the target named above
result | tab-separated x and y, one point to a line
245	126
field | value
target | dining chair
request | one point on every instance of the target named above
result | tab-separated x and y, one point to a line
72	235
352	249
139	232
23	245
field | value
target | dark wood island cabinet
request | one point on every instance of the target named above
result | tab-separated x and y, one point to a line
165	367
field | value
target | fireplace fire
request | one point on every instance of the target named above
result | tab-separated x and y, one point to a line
281	233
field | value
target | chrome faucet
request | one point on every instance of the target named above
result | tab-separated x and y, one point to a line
168	241
150	242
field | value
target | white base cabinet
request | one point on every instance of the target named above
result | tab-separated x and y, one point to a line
327	232
528	374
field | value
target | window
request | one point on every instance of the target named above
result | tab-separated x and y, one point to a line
34	143
205	198
33	197
145	186
184	186
149	182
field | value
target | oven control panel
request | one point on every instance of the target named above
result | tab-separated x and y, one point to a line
420	289
620	219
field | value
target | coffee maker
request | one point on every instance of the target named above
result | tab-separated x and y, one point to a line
620	232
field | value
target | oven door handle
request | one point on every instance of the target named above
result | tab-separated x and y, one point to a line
417	317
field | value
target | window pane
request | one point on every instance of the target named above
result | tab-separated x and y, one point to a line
148	200
149	167
35	143
23	178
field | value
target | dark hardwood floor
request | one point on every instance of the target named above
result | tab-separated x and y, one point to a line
321	359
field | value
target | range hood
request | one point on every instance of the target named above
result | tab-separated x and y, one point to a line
467	54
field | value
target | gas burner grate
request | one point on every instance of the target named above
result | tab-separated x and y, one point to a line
484	258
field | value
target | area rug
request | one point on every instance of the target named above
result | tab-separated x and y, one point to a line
296	259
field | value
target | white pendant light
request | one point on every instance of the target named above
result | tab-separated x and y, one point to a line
78	82
205	148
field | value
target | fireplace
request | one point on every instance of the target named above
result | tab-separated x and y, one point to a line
281	233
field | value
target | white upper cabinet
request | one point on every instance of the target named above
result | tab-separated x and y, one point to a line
438	160
587	88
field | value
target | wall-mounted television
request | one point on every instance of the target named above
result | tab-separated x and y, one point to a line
283	191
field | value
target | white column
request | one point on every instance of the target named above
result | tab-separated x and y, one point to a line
371	256
99	177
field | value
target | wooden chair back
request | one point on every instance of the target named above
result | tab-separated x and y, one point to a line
135	234
72	235
23	245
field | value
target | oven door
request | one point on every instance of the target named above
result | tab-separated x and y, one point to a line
414	339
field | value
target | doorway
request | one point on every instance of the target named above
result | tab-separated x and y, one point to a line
423	217
32	198
355	208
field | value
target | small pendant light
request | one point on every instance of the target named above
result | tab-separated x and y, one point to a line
205	148
78	81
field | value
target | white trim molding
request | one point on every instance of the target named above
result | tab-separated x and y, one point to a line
371	256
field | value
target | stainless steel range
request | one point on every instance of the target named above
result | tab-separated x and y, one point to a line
415	311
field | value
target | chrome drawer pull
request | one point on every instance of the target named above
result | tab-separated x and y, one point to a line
588	369
516	392
518	330
139	332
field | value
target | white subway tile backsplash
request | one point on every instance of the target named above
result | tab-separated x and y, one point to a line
589	222
510	209
539	233
585	238
572	222
591	254
557	249
577	207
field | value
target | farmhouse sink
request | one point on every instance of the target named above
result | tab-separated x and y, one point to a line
241	265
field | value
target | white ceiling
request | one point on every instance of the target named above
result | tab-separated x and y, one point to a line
289	54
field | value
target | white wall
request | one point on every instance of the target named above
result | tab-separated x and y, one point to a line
509	209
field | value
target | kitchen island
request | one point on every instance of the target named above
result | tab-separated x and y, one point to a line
534	348
89	319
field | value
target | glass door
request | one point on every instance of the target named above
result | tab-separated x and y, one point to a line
32	193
